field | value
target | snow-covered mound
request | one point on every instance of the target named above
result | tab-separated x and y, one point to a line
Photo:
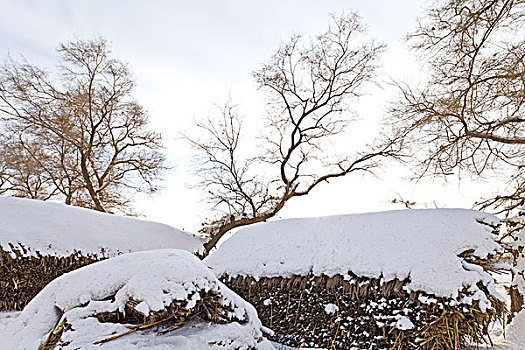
6	317
58	229
154	279
420	244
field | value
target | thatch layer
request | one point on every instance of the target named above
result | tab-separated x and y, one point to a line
366	313
22	277
208	309
516	301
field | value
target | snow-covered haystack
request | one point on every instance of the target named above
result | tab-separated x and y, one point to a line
156	299
399	279
40	241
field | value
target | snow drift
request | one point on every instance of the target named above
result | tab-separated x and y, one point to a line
30	226
422	245
414	278
155	281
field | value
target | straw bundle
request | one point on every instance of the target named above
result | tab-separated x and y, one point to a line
23	276
364	313
177	315
208	308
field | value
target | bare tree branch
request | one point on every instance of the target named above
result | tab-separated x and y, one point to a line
310	87
469	115
79	136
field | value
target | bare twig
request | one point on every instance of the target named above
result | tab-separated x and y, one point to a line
468	117
310	88
79	137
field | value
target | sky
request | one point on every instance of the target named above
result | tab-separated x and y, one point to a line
187	56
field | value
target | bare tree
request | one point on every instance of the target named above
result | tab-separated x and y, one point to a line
310	87
468	116
79	135
22	174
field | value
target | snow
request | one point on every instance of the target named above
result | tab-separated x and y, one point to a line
514	337
331	309
426	300
58	229
420	244
278	346
516	331
403	323
519	277
6	317
154	277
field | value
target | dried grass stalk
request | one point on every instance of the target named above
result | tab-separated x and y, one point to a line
22	277
367	310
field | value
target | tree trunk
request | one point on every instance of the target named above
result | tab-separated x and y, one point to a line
89	185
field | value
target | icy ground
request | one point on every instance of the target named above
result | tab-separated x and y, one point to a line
58	229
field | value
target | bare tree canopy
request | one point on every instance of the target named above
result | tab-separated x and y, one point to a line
469	116
310	85
78	135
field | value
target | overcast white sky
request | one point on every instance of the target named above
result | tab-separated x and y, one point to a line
188	55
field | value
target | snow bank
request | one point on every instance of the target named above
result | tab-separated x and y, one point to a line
421	244
6	317
516	331
57	229
156	278
514	336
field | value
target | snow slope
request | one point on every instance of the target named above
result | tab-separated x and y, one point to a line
58	229
515	337
6	317
154	277
420	244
